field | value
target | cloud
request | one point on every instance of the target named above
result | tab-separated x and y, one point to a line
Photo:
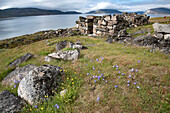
86	5
49	4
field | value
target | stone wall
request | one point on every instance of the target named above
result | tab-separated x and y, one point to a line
108	24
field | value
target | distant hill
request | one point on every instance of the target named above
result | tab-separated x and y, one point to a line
102	11
138	12
18	12
158	11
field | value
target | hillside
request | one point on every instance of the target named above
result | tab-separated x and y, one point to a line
102	11
18	12
158	11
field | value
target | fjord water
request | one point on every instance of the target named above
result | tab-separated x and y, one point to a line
17	26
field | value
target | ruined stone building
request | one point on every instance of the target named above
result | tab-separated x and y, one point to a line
108	24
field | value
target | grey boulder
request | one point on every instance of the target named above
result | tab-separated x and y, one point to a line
9	103
66	55
16	75
40	82
20	60
161	28
61	45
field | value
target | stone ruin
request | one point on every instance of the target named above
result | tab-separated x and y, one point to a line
108	24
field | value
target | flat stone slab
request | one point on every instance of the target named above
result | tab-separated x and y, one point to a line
66	55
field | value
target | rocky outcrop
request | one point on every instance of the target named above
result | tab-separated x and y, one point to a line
66	55
9	103
20	60
40	82
28	39
17	75
108	24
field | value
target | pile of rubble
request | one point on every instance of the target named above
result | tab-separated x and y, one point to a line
110	25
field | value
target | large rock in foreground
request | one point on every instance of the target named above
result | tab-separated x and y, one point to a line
9	103
39	83
161	28
66	55
16	75
20	60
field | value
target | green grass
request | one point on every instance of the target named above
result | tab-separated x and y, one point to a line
152	77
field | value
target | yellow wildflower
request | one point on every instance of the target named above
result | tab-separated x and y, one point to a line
72	79
68	85
41	108
72	82
67	78
30	109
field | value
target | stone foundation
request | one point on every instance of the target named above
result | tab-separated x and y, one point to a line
108	24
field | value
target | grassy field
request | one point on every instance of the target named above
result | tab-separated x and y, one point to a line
107	78
160	20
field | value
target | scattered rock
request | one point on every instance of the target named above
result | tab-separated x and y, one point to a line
66	55
48	59
40	82
17	75
122	33
76	46
109	40
9	103
61	45
20	60
158	35
139	39
167	37
71	44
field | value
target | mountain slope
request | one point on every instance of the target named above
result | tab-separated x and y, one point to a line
17	12
102	11
159	11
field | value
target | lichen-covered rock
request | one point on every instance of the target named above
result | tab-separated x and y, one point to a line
9	103
16	75
40	82
66	55
20	60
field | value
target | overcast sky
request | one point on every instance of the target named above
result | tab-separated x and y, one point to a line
86	5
